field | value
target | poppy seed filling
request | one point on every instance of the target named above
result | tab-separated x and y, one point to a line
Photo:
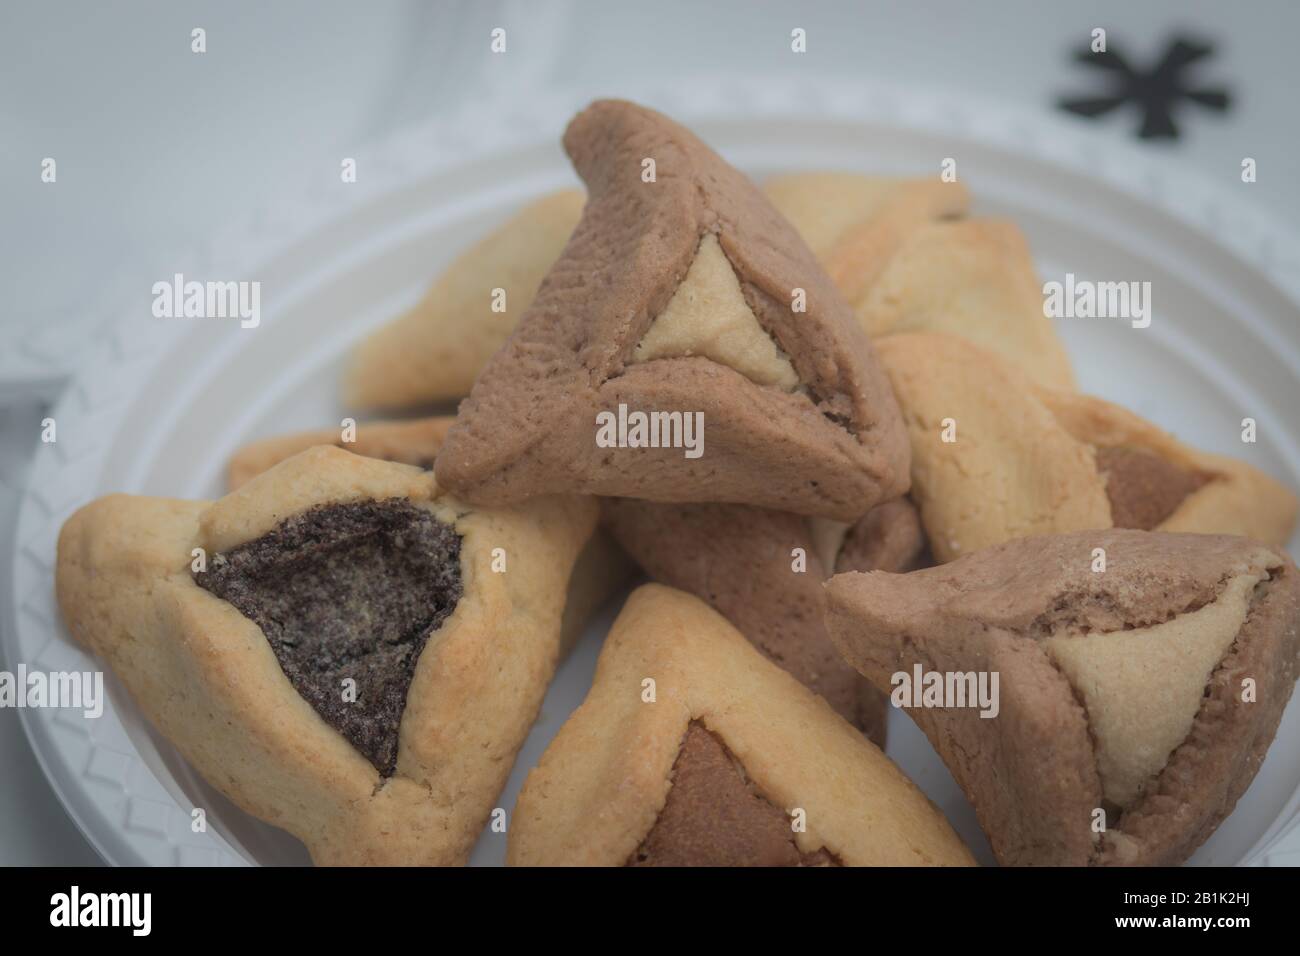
347	595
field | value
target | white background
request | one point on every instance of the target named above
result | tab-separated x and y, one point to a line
158	148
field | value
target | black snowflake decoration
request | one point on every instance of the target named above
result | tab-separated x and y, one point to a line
1157	92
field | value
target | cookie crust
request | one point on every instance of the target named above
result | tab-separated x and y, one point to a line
602	783
1032	772
1025	458
906	260
207	678
433	352
414	442
529	426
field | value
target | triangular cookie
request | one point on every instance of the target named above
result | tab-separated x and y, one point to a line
856	224
906	262
974	278
1140	679
434	351
777	390
996	457
692	749
340	647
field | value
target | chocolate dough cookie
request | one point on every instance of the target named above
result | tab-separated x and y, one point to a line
889	537
997	457
335	646
683	297
692	749
1142	677
742	562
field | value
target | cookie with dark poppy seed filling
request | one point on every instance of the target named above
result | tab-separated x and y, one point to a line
602	568
340	647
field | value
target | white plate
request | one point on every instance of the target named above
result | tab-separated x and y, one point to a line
159	412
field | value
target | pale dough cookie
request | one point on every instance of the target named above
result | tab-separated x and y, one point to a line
1024	459
602	568
976	279
539	417
904	259
730	752
358	569
1135	700
856	224
434	351
415	442
1227	496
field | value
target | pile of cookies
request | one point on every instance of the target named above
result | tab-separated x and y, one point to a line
829	420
